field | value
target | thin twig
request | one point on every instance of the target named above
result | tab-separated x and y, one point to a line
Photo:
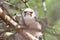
13	6
25	2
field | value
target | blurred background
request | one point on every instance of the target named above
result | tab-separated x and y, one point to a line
50	17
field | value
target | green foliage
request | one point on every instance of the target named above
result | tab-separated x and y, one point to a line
53	11
50	37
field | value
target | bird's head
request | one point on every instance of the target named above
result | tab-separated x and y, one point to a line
28	11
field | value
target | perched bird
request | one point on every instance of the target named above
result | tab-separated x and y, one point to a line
30	20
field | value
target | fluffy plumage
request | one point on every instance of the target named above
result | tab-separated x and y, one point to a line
31	22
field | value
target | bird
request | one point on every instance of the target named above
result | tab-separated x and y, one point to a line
29	17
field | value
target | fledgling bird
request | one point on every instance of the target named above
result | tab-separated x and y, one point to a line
29	17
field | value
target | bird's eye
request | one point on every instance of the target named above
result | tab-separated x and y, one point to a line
25	12
31	12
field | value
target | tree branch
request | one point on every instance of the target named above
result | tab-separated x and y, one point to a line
15	25
25	2
13	6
